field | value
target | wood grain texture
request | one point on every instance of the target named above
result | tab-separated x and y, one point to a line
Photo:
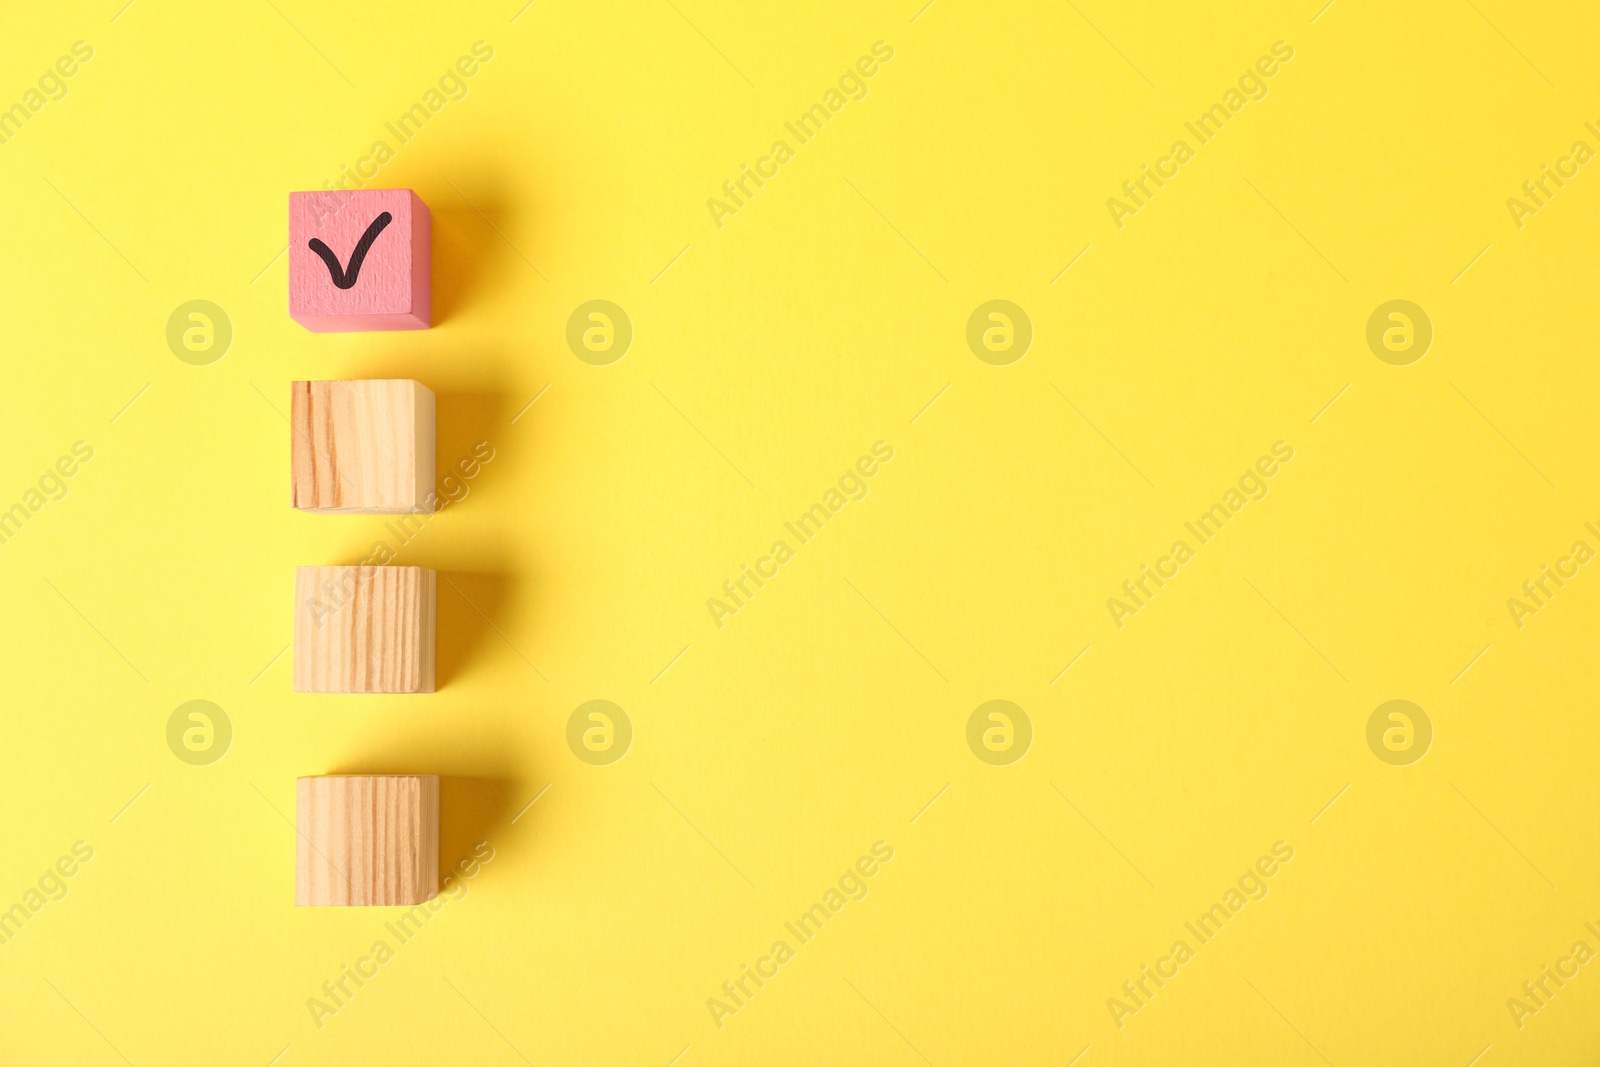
362	447
364	629
366	839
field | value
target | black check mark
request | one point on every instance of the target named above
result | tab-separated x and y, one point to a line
343	278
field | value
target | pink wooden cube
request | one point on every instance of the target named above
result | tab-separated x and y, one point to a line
359	260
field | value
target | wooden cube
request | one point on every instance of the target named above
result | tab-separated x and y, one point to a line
364	629
359	259
362	448
366	839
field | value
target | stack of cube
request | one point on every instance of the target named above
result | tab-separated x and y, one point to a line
360	260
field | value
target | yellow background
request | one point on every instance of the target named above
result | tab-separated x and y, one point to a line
831	710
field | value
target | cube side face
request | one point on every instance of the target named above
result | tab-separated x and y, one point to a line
428	852
421	261
362	447
366	840
425	434
428	638
313	484
387	286
364	629
306	885
315	652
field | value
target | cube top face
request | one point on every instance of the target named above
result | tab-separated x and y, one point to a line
362	447
364	629
360	260
366	840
